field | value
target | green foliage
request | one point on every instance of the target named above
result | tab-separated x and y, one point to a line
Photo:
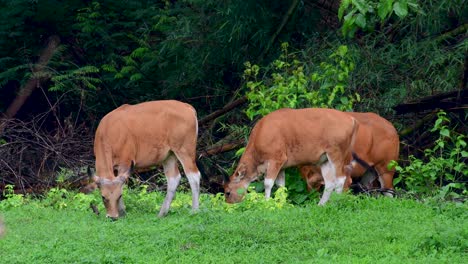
297	189
289	85
11	199
443	170
395	230
253	200
63	177
365	14
83	77
57	198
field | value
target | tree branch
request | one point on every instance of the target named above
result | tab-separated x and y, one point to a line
26	91
232	105
285	20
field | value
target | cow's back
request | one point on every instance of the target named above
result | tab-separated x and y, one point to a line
145	132
304	133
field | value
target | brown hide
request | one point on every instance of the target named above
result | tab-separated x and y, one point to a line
292	137
144	135
376	143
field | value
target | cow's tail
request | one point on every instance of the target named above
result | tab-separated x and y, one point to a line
361	161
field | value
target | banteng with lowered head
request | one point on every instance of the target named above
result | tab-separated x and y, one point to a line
293	137
143	135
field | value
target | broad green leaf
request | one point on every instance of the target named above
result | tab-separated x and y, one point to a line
445	132
361	6
342	50
401	8
344	100
343	6
361	21
240	152
437	122
384	8
350	15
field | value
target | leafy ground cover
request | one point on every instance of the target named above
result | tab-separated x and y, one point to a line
350	229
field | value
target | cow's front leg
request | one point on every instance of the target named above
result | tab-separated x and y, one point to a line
272	173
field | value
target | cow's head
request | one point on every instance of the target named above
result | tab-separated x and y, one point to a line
236	186
313	177
111	193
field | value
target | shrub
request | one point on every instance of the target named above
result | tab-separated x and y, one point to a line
443	169
12	199
290	85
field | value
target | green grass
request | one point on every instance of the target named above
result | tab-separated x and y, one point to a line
348	230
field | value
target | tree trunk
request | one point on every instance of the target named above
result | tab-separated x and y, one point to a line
26	91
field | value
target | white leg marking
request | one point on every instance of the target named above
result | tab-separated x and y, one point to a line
329	177
268	185
388	194
194	180
280	180
339	184
172	183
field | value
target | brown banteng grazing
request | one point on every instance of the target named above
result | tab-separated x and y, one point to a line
143	135
376	144
293	137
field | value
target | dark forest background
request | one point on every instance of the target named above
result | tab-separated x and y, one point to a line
65	64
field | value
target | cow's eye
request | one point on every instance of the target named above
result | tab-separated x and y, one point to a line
103	198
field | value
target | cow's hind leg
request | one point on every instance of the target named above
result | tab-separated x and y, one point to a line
281	179
385	179
334	175
329	177
193	175
173	178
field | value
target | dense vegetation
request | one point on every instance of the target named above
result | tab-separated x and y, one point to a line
64	65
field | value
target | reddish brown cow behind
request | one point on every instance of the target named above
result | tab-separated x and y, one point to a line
376	144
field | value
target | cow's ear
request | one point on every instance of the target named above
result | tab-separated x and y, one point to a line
241	171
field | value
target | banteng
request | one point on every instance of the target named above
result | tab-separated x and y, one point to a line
143	135
293	137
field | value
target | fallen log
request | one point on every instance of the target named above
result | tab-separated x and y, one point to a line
453	100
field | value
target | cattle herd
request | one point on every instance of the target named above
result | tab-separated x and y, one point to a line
330	148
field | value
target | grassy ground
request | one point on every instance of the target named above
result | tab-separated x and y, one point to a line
347	230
